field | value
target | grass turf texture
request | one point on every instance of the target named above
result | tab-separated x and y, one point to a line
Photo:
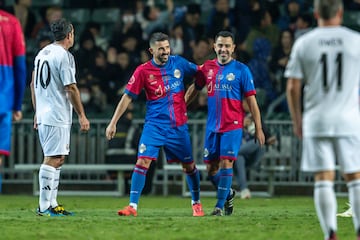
166	218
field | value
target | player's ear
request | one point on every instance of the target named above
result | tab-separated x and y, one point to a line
151	50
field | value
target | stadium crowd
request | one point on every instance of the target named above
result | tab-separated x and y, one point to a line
107	52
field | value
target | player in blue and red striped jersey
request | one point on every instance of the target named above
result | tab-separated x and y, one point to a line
12	77
228	82
165	121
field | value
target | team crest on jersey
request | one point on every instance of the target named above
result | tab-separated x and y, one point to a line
142	148
132	80
151	77
230	77
206	152
177	73
210	74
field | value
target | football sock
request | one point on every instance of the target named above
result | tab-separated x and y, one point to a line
354	198
54	190
326	206
215	179
46	182
137	184
193	181
225	182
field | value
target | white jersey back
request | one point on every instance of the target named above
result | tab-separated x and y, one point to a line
327	59
54	69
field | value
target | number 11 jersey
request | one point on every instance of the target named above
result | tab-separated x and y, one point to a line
327	60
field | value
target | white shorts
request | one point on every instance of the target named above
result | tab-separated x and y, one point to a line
54	140
323	153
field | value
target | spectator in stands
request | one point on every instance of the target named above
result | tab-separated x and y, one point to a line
250	153
259	67
157	20
51	14
22	10
95	29
293	9
202	51
279	59
303	24
12	77
262	28
225	115
176	40
221	17
86	53
166	121
127	26
246	13
192	27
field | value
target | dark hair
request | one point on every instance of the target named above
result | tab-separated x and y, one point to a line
225	34
158	37
146	12
327	8
61	28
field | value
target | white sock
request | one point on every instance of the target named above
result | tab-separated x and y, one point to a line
326	206
54	190
133	205
354	198
46	182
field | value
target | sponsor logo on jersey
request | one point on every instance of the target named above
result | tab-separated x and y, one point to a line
142	148
177	73
230	77
159	92
172	86
210	74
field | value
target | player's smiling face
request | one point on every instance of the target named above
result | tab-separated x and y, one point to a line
224	48
160	51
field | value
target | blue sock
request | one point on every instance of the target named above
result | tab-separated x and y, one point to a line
225	182
137	183
215	179
193	181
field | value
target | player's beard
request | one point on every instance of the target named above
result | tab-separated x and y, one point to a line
223	56
163	58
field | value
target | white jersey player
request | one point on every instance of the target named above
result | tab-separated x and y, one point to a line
54	94
325	63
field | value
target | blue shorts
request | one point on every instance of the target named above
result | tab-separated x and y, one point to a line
5	133
175	142
222	145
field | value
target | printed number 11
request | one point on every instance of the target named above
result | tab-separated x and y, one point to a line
339	71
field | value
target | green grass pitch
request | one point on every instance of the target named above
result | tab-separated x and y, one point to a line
166	218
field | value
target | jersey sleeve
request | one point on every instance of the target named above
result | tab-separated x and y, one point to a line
293	68
188	67
135	83
200	79
247	82
67	69
19	65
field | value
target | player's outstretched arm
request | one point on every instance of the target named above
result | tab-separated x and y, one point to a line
190	94
119	111
74	97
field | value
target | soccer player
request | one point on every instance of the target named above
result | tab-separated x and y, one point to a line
12	77
228	82
325	60
54	95
165	120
